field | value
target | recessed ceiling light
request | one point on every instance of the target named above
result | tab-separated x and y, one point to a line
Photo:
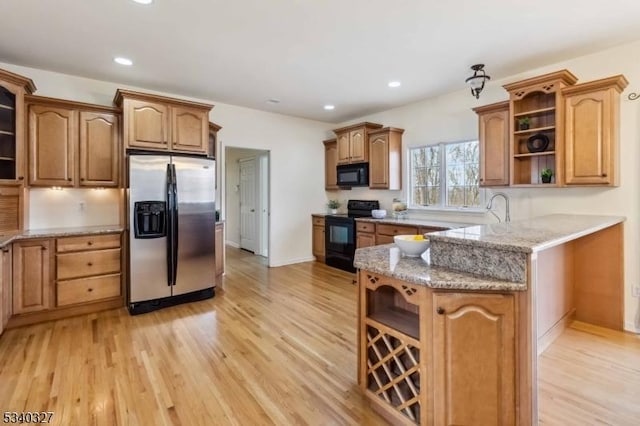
394	84
273	101
123	61
144	1
329	107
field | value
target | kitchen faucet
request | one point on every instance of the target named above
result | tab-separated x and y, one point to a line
507	218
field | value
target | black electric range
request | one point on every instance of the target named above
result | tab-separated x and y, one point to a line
340	233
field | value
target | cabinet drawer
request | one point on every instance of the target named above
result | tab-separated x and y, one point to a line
383	239
84	290
87	263
88	242
318	221
396	229
365	227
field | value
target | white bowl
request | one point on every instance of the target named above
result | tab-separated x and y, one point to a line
411	247
379	214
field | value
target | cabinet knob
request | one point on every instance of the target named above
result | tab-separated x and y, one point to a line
20	177
89	264
43	248
69	179
89	289
604	175
82	179
440	310
89	243
481	180
5	250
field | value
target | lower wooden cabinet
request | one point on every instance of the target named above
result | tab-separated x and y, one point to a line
474	359
32	284
6	291
318	237
451	350
365	234
87	269
219	252
386	232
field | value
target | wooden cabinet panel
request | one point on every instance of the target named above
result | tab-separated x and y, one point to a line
364	239
358	150
591	132
387	229
147	124
99	148
330	164
344	156
385	159
6	291
219	249
190	130
493	136
88	242
87	263
86	290
365	227
11	206
53	134
318	238
474	359
32	284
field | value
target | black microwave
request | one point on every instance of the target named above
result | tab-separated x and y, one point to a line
353	174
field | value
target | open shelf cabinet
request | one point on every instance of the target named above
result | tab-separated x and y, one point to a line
539	100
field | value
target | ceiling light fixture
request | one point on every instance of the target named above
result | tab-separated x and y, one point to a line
394	84
123	61
476	81
144	1
329	107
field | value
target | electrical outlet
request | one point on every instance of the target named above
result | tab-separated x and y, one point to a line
81	207
635	291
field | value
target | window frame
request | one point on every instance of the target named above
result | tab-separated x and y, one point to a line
443	182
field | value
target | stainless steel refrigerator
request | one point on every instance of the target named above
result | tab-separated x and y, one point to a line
171	230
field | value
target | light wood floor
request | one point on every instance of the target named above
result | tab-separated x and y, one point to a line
278	347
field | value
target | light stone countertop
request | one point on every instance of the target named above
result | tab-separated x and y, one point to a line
530	235
387	260
9	237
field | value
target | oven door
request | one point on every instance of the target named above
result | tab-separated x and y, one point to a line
340	242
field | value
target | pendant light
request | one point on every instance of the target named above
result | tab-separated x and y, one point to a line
476	81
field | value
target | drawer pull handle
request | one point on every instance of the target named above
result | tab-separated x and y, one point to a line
89	264
90	290
43	248
90	243
440	310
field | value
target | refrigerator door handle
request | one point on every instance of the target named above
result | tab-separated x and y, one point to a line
170	267
175	223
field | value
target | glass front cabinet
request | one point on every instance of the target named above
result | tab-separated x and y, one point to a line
12	127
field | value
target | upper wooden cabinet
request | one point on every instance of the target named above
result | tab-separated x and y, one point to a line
11	208
213	140
353	142
72	144
164	124
330	164
385	158
13	88
591	131
493	136
538	144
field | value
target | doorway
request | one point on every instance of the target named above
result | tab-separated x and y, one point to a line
247	199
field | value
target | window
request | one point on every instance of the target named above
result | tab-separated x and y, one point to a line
445	175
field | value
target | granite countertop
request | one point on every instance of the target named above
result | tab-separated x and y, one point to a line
530	235
9	237
416	222
388	260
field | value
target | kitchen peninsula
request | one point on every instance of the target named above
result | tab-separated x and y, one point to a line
453	337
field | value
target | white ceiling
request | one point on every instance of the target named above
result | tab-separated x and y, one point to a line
307	53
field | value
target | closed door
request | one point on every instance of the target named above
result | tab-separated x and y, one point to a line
358	146
248	215
32	284
53	135
344	148
330	163
98	149
379	161
6	301
494	151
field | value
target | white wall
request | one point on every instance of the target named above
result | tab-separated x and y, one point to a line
450	118
296	154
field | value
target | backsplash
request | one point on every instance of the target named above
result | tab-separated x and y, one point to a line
50	208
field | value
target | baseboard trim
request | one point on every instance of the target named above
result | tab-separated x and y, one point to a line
554	332
291	261
630	327
232	244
